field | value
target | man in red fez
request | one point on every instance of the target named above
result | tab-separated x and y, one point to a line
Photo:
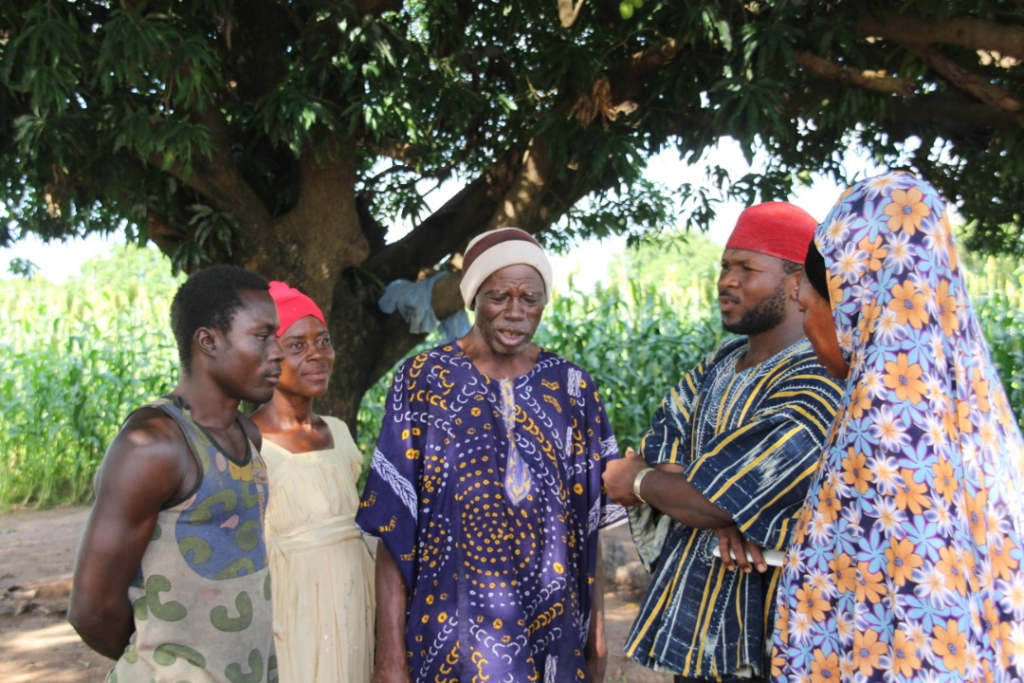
724	470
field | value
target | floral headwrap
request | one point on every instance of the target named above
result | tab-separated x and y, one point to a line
907	558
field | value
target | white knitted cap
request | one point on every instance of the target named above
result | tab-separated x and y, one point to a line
494	250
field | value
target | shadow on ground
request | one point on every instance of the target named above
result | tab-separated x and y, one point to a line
38	646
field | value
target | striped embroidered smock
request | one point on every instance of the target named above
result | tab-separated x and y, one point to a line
750	441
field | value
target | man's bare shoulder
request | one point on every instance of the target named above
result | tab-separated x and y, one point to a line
150	451
147	466
152	432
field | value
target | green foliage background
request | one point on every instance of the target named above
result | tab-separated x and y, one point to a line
112	112
76	358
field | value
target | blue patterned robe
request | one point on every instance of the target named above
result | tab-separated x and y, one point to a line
487	493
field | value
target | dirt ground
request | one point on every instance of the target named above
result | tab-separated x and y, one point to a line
37	553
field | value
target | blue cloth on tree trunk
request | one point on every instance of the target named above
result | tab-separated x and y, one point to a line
412	301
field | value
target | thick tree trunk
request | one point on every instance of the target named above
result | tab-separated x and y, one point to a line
359	334
311	245
321	246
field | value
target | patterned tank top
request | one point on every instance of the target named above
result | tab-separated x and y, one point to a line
202	594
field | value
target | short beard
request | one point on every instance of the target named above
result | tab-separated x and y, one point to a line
766	315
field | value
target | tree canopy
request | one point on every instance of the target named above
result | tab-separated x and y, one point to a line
289	136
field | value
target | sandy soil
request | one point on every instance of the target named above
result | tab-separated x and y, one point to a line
37	552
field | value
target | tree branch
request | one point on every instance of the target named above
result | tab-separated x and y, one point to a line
961	78
521	202
398	150
520	190
218	180
953	113
569	11
642	65
164	236
450	227
976	34
869	80
610	96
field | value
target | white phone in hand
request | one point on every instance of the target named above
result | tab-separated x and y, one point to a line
772	557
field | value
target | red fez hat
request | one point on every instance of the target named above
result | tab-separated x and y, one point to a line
774	228
292	305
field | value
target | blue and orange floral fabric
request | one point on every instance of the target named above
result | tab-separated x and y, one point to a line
906	563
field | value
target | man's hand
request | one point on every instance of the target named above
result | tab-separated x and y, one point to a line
732	544
619	475
597	646
394	671
390	665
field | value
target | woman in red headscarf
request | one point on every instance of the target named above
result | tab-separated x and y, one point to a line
322	574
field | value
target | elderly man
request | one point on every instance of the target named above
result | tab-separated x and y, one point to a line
731	453
485	492
171	578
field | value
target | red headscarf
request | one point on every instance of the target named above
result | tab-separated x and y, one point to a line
292	305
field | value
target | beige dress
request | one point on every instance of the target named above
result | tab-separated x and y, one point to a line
321	570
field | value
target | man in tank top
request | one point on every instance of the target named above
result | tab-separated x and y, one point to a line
171	578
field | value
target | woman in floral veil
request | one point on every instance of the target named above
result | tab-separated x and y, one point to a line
906	564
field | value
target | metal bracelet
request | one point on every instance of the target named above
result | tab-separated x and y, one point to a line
639	480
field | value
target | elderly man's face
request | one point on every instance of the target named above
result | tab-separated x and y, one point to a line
508	308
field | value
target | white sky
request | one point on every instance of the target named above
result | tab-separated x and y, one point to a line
588	262
57	261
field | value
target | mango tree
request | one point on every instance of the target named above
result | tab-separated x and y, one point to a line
291	136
